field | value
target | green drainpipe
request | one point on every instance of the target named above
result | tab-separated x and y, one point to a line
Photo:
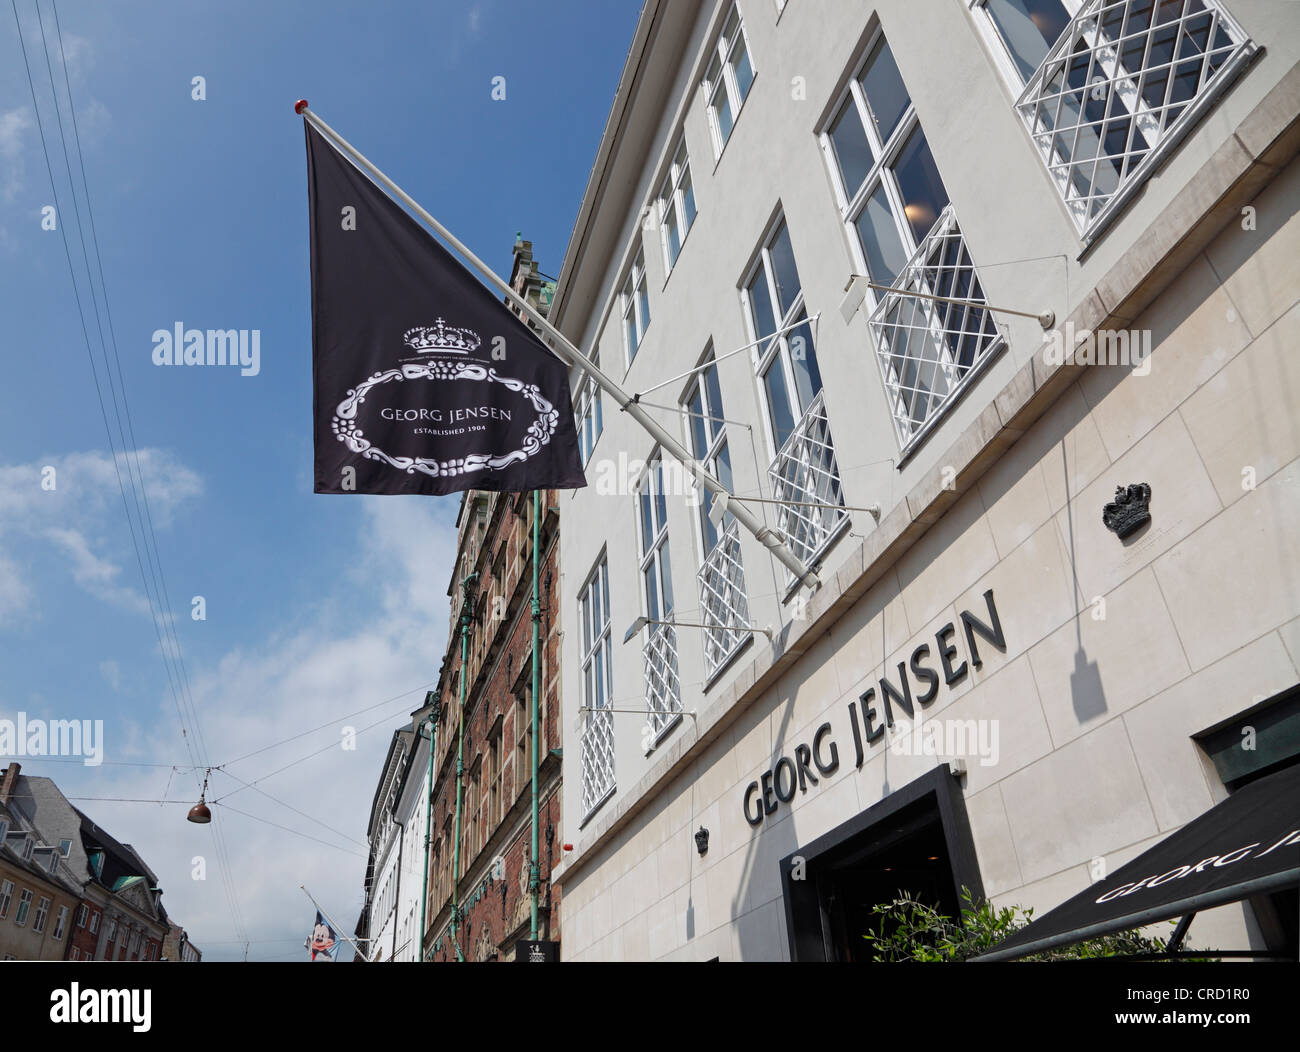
465	617
534	868
428	821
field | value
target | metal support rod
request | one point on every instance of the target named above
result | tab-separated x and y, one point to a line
329	920
717	358
1046	319
534	868
574	357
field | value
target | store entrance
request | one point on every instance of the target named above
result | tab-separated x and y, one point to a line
909	857
917	840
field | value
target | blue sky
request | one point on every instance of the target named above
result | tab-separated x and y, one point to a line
317	606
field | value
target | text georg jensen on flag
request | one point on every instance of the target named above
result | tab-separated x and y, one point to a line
423	381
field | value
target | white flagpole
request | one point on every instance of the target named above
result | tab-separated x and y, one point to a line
331	923
570	353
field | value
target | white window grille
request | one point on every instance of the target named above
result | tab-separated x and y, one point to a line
1110	86
6	897
676	206
590	418
60	922
663	690
597	680
635	302
721	580
926	348
806	476
727	79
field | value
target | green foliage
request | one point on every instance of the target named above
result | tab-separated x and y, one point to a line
910	930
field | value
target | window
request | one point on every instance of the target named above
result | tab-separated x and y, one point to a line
786	359
494	809
24	905
587	410
656	574
1108	86
804	472
635	306
597	685
65	848
896	209
721	579
676	205
94	922
83	915
708	431
727	79
889	189
6	897
523	728
74	954
60	922
42	912
4	829
111	933
663	694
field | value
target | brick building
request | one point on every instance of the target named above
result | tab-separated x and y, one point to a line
490	594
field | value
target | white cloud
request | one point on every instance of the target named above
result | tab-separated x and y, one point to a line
276	689
83	508
13	127
112	673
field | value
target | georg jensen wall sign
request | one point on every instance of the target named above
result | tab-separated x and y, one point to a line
820	758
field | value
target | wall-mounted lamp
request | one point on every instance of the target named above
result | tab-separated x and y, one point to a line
702	841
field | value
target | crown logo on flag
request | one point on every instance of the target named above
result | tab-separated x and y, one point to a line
441	338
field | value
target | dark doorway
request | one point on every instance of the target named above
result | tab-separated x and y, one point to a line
917	840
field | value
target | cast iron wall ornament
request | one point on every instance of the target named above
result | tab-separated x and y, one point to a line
702	840
1129	510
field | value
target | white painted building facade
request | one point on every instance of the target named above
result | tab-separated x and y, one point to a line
1135	177
398	822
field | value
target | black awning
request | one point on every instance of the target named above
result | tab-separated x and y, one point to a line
1247	845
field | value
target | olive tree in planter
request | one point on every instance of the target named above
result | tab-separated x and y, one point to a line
910	930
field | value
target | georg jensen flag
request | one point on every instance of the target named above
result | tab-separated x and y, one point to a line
423	381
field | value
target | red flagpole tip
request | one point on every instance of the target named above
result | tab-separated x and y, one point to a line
299	106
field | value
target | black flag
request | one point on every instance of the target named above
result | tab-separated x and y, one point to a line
423	381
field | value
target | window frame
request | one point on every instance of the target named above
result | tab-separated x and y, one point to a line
7	889
672	201
717	439
776	345
885	154
24	908
720	60
60	922
588	413
654	551
635	292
